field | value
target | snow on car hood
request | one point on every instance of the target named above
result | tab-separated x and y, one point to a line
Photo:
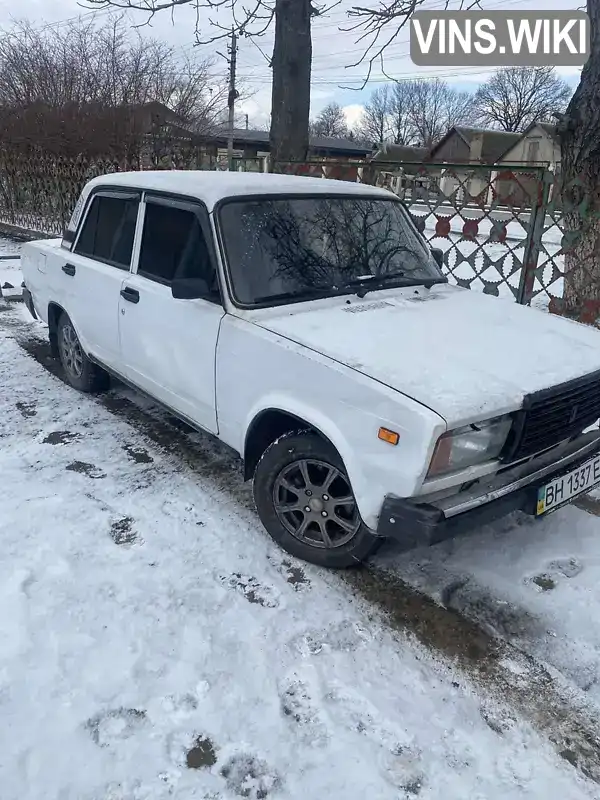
463	354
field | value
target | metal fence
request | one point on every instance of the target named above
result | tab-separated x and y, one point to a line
502	231
38	193
489	221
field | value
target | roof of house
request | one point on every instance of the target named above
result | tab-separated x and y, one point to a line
210	187
495	143
399	153
345	145
254	137
154	106
549	129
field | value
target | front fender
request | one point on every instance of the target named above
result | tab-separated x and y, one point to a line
373	467
258	371
305	413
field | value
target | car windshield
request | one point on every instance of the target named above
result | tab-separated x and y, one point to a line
290	249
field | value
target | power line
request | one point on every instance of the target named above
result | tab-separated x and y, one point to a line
323	63
399	78
63	22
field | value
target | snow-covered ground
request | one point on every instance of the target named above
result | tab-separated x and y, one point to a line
535	584
10	273
154	643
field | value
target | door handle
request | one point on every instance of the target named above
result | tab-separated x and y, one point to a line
69	269
131	295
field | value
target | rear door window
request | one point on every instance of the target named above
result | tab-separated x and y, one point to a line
109	229
174	245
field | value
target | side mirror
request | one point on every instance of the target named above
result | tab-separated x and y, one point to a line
189	288
438	255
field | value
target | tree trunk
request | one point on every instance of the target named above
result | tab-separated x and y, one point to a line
580	169
292	56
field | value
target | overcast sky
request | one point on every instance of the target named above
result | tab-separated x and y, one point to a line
333	51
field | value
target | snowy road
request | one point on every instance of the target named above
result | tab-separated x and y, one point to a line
154	643
10	271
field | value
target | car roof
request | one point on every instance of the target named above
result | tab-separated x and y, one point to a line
210	187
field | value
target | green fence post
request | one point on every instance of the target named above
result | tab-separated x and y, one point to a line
537	224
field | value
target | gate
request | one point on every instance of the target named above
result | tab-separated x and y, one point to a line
493	224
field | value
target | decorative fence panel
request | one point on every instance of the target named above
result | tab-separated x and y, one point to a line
38	193
502	231
509	232
485	221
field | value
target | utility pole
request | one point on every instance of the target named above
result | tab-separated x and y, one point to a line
233	94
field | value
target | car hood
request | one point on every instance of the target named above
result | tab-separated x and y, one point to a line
464	354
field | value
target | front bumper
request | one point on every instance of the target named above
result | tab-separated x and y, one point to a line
416	524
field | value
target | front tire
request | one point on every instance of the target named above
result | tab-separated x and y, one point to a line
306	503
79	371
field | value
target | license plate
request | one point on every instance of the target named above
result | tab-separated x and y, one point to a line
568	486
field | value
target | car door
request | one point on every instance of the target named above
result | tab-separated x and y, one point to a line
93	272
168	345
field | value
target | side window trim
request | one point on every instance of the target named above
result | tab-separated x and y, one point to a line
125	194
137	237
200	211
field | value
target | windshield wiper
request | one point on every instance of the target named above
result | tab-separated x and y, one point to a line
302	294
400	279
365	285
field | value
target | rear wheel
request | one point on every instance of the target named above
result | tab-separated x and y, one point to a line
79	371
306	503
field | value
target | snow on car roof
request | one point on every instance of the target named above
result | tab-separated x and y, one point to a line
210	187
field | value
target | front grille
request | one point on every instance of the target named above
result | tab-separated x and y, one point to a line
553	415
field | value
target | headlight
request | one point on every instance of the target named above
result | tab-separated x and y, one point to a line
473	444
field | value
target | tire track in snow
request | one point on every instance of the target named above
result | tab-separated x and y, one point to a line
498	667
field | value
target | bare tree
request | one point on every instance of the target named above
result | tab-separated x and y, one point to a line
580	166
381	23
88	63
291	59
414	112
515	97
401	123
434	107
331	121
376	119
92	87
291	63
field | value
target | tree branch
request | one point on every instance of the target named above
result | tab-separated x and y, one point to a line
390	15
262	13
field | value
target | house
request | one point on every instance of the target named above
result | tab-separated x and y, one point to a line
207	144
477	146
255	144
537	146
472	145
153	116
401	154
398	167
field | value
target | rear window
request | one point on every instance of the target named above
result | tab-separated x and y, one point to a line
108	230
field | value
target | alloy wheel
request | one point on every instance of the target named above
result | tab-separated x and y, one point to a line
71	351
313	500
